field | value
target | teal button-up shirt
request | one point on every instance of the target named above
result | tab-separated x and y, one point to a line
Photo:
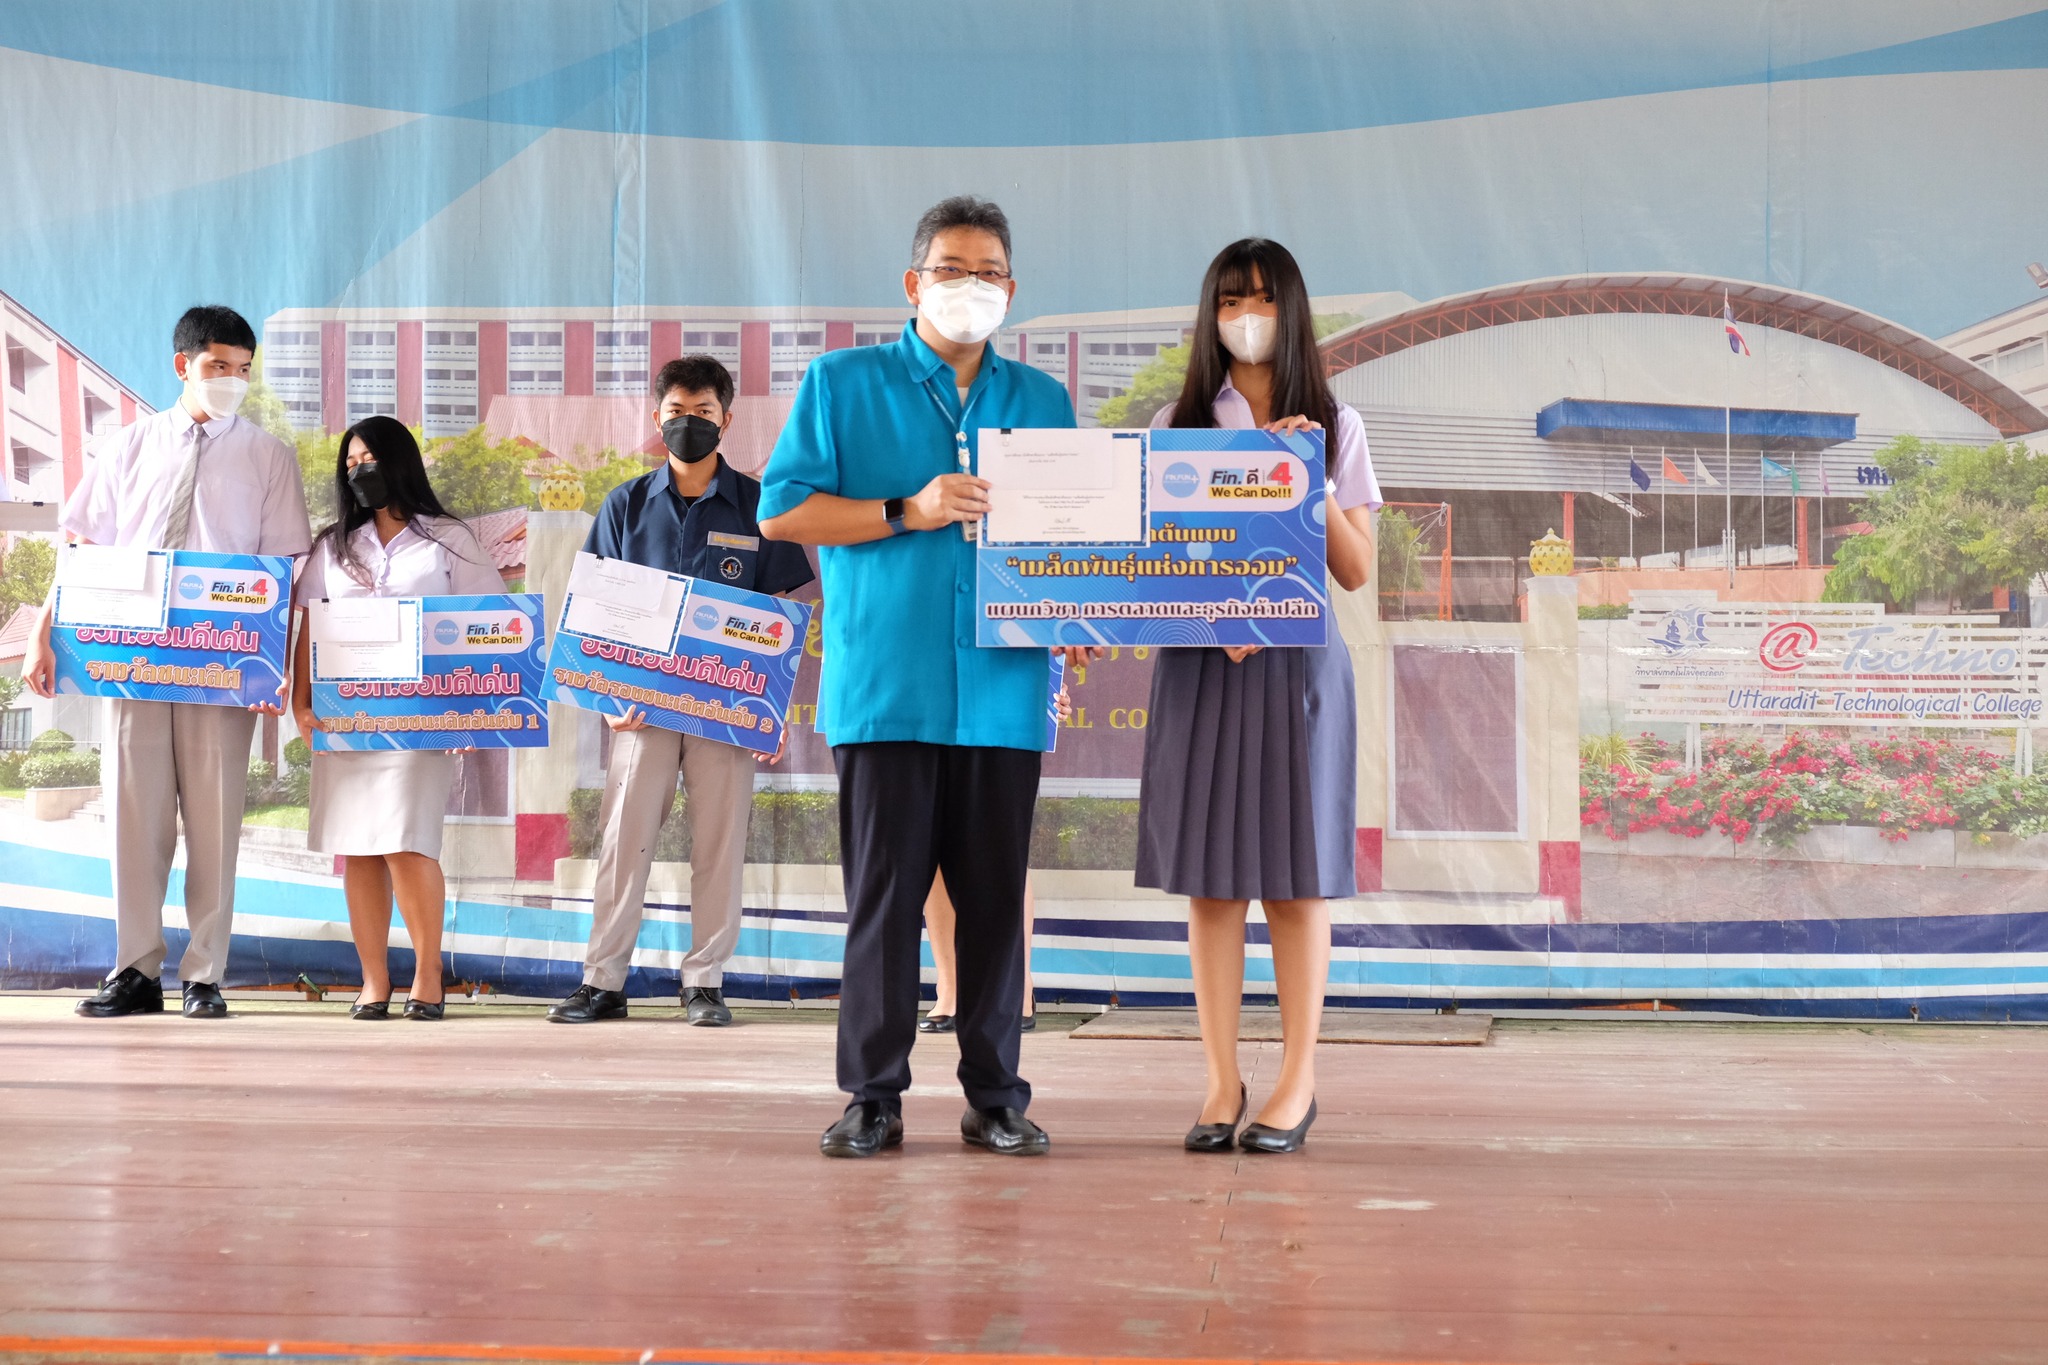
900	658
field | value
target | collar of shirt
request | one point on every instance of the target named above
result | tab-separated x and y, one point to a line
722	484
183	421
921	362
1232	409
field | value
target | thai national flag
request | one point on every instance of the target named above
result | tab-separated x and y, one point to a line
1735	341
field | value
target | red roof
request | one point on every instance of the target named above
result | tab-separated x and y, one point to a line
14	635
503	536
579	431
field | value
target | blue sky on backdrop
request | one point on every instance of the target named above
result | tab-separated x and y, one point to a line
775	152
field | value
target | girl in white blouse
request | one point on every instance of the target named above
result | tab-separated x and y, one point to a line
382	810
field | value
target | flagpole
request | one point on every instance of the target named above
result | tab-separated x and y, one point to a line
1728	454
1663	496
1823	528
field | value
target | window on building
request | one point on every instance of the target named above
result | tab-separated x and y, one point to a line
22	365
465	409
99	412
622	338
373	338
15	724
548	376
282	372
451	338
519	376
785	376
872	338
2020	357
440	374
796	338
701	340
1100	390
358	373
1048	348
465	376
1098	348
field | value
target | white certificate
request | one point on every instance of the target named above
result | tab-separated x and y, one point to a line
632	604
113	585
1064	486
341	654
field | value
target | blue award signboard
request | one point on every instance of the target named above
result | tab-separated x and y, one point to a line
1232	549
695	656
473	680
191	627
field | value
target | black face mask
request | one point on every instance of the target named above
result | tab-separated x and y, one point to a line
690	438
366	481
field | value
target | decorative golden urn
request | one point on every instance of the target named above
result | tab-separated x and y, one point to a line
1550	556
561	490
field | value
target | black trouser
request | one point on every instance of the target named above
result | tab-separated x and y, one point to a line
905	811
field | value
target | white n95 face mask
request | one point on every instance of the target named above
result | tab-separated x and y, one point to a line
1250	337
220	397
965	311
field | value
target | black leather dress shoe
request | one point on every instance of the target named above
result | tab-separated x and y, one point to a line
1004	1130
1260	1138
421	1009
704	1006
1030	1024
588	1005
1218	1137
202	1001
125	992
935	1023
864	1129
371	1010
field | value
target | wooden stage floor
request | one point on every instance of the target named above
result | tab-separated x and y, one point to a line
1608	1190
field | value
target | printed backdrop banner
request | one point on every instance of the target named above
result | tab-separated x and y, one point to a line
1703	658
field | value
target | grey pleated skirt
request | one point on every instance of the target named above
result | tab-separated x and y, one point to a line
379	801
1250	787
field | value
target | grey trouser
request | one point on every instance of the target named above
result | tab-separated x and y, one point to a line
163	759
639	786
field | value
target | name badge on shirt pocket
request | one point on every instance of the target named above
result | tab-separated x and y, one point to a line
733	557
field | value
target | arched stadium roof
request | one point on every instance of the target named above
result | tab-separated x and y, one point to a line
1754	305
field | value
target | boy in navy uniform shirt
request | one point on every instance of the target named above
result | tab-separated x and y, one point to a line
694	515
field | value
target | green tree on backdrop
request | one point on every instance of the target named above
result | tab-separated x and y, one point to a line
1956	522
25	574
615	470
1159	383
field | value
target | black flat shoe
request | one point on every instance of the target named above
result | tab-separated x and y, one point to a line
127	991
588	1005
935	1023
1004	1130
420	1009
863	1130
202	1001
1030	1024
1260	1138
372	1010
1218	1137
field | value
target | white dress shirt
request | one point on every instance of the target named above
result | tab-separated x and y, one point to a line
433	557
246	496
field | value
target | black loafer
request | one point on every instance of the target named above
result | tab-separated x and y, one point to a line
420	1009
371	1010
864	1129
1218	1137
1260	1138
125	992
202	1001
704	1006
1029	1025
1004	1130
935	1023
588	1005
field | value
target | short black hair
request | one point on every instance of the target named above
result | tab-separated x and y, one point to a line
212	324
694	374
961	211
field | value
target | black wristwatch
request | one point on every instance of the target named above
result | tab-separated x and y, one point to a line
892	512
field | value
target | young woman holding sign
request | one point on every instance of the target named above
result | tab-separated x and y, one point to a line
1251	753
382	810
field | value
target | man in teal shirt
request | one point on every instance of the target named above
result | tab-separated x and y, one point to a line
937	742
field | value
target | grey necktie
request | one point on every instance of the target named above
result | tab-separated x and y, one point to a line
179	525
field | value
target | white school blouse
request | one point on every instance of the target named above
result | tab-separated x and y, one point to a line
434	557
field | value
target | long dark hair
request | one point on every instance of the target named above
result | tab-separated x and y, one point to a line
1300	388
408	491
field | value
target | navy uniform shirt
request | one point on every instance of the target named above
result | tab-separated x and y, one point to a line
717	536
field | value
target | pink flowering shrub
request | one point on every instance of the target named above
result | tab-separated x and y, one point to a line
1747	789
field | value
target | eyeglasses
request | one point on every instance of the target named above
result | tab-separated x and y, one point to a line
946	274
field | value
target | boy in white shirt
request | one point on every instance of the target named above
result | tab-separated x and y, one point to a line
193	477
